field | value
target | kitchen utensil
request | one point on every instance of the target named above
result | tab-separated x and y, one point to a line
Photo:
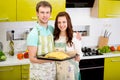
70	54
107	34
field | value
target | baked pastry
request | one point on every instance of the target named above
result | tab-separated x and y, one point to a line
57	55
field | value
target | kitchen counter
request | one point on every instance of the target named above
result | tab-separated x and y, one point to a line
12	60
105	55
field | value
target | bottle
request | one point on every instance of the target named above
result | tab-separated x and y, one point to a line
1	46
11	51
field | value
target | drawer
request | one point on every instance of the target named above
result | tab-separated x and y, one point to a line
25	76
114	59
10	73
25	68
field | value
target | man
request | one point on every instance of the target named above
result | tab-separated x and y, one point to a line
40	41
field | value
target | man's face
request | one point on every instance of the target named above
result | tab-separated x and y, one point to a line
44	14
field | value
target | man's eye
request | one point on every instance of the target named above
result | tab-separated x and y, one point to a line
48	12
42	12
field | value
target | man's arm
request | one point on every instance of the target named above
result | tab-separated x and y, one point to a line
78	36
32	55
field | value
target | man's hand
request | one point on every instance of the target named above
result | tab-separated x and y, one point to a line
78	36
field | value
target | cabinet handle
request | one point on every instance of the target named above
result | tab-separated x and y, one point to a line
116	15
26	68
34	18
25	77
97	67
4	19
115	60
9	69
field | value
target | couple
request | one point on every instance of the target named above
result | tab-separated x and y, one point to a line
40	41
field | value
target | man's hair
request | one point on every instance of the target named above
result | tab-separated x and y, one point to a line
44	4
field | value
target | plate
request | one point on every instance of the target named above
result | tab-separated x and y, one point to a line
54	59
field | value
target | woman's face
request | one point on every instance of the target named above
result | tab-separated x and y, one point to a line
62	23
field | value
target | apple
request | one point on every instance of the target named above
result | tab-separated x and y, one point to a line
26	55
112	48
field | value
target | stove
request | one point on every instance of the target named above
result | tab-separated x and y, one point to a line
87	51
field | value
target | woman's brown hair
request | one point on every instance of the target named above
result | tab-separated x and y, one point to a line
69	30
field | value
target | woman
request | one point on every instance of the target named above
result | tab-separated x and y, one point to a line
64	41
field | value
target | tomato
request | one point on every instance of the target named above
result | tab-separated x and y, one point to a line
26	55
20	56
112	48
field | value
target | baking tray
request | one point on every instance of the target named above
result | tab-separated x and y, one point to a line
54	59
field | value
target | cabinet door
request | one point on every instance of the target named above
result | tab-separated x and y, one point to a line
10	73
25	72
109	8
7	10
112	68
26	9
57	6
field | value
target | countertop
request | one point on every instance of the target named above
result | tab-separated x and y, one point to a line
105	55
12	60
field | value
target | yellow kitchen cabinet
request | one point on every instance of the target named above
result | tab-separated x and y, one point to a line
106	9
112	68
25	72
26	9
57	6
10	73
7	10
18	72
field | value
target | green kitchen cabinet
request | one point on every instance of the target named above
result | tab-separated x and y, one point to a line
112	68
26	9
18	72
106	9
7	10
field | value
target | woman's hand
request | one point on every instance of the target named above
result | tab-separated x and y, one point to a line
77	58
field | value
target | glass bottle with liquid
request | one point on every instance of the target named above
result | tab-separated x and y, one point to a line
11	51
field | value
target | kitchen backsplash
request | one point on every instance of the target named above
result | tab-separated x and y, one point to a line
79	16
